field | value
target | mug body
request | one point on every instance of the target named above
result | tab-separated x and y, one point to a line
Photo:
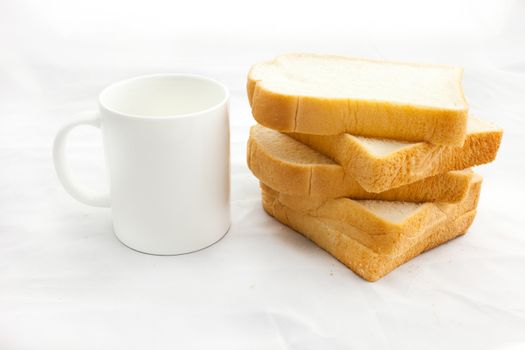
166	140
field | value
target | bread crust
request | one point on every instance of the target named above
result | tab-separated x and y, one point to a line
319	181
410	164
365	262
330	116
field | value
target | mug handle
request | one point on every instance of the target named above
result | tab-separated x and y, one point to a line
90	118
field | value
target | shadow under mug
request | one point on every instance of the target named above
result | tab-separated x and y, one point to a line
167	149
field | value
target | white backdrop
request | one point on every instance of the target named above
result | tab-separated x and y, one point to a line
67	283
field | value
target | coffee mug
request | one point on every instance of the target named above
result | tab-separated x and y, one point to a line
167	149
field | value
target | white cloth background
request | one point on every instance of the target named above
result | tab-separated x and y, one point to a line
67	283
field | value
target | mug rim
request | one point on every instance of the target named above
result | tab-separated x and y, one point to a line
158	75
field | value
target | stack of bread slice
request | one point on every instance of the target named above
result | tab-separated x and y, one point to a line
370	160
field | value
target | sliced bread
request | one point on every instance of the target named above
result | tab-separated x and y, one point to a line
382	226
350	239
380	164
328	95
290	167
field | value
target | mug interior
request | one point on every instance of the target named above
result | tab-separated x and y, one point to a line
166	95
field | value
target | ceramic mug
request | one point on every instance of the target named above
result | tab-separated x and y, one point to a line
166	144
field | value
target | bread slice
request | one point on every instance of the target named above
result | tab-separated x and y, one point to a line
291	167
344	241
380	164
381	226
329	95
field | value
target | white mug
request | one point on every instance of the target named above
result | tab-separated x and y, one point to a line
167	149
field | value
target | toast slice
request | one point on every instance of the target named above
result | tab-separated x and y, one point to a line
293	168
424	228
381	226
380	164
329	95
